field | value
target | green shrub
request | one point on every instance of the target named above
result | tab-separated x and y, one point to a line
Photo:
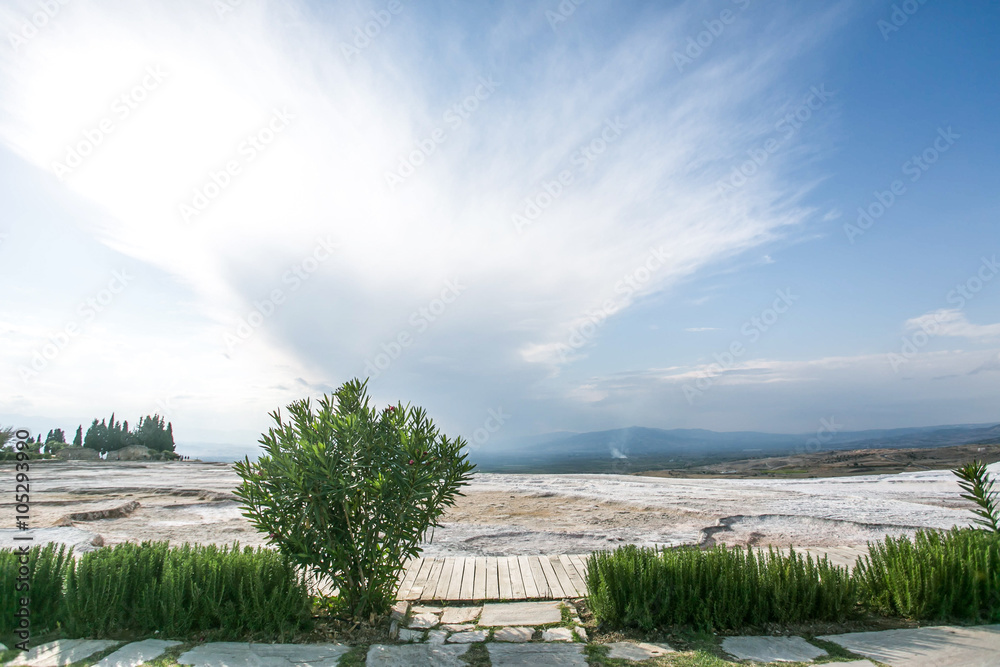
228	593
936	576
349	491
978	487
720	589
47	566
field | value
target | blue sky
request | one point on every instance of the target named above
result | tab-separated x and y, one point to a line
577	216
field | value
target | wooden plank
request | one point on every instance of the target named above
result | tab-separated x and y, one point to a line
492	580
569	590
455	587
479	587
516	583
418	584
432	580
441	591
579	588
503	573
581	566
467	579
409	575
541	583
530	590
555	588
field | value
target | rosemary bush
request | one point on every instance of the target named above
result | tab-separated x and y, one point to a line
222	592
936	576
348	491
716	589
47	565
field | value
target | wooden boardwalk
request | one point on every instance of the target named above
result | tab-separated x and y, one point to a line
529	577
494	578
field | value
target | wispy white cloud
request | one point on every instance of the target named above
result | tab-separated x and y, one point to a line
952	322
352	122
755	393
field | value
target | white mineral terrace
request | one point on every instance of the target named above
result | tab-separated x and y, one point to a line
509	514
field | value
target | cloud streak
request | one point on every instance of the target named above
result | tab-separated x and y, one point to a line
352	121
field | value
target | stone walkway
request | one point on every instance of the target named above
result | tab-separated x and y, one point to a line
539	634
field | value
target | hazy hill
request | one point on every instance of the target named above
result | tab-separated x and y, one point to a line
638	447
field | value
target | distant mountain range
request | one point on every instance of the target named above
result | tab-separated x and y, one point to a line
638	448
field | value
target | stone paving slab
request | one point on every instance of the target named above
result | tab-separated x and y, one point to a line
407	635
410	655
136	653
637	652
513	634
455	615
557	635
422	621
425	609
936	646
228	654
772	649
399	610
537	655
462	627
520	613
469	637
62	652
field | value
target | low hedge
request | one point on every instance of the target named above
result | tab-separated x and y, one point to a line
720	588
45	574
952	575
936	576
222	592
